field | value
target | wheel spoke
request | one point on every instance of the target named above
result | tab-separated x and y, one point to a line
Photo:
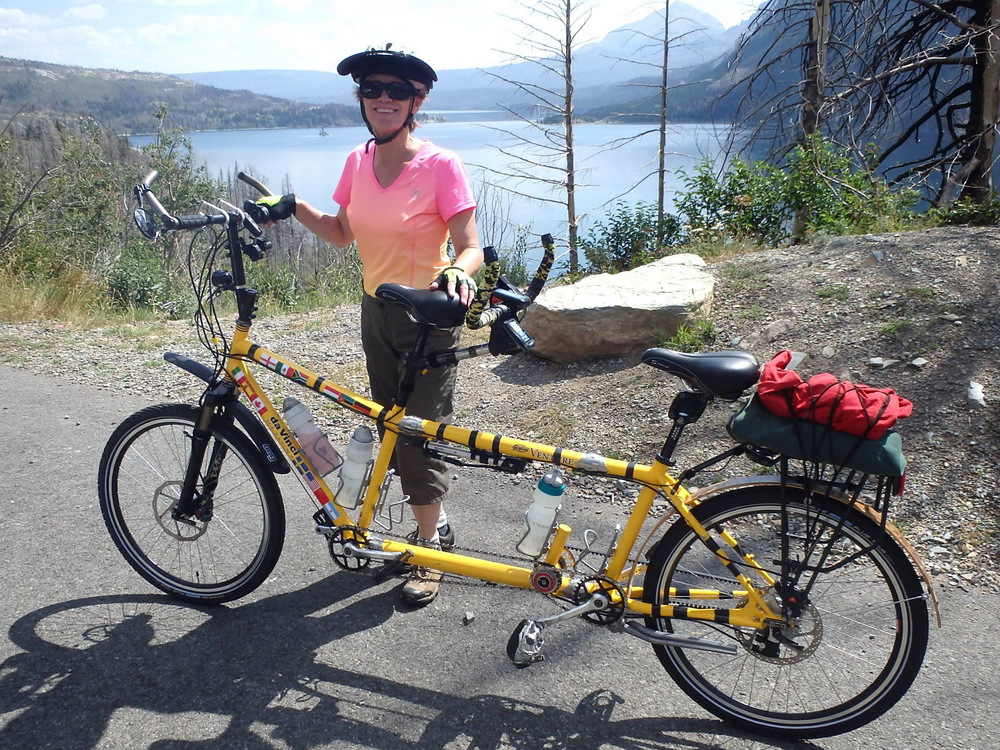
857	643
218	555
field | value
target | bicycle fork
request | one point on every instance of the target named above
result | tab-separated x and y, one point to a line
194	505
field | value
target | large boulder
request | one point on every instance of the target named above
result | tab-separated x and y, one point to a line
616	315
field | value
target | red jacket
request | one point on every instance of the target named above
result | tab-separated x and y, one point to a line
849	407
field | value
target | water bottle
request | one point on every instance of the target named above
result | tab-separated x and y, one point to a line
541	514
315	444
352	473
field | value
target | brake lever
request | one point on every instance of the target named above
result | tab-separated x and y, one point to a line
256	212
511	297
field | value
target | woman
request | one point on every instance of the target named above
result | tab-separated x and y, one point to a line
400	198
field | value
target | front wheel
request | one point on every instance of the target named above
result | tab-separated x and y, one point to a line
858	620
222	552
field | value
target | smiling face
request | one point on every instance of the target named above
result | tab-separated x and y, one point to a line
385	114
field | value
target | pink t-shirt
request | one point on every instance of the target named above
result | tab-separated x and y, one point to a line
402	230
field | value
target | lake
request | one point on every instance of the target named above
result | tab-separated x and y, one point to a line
309	164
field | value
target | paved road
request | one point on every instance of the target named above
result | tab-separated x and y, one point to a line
91	657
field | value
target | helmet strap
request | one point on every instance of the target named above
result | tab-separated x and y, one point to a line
376	139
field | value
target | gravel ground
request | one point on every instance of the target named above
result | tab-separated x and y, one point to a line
914	311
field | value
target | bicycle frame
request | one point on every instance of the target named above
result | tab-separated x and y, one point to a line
654	479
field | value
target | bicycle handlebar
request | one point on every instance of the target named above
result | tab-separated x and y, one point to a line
483	312
252	182
145	195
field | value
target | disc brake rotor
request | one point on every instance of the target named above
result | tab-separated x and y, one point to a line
785	644
165	499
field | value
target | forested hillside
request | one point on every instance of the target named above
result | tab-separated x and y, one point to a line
128	102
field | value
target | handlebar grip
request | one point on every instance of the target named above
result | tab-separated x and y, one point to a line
254	183
150	178
196	221
542	274
492	315
491	275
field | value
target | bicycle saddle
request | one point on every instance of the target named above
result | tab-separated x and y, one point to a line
724	375
427	307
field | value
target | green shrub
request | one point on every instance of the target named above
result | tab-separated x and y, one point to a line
839	195
630	236
746	202
965	212
138	278
757	201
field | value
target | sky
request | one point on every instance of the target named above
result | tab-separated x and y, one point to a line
189	36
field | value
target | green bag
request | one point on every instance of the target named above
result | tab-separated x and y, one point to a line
818	443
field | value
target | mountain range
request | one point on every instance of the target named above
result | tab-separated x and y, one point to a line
606	72
609	75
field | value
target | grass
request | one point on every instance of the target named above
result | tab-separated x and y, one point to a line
895	328
755	312
923	293
752	277
693	337
552	425
73	297
838	292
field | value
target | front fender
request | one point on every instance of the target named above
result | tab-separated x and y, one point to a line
272	455
739	483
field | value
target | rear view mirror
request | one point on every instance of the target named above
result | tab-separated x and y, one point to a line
146	224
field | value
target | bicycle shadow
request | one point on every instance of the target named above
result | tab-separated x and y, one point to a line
250	677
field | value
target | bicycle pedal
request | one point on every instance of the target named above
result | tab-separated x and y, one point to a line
524	647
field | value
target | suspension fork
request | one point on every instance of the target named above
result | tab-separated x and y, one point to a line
192	502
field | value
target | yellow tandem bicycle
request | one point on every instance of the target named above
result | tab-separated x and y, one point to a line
783	602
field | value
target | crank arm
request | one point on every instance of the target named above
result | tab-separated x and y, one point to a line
525	645
596	603
353	550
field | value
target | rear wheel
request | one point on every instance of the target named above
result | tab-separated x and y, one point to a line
861	621
224	550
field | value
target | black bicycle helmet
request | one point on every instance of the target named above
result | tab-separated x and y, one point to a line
400	64
388	62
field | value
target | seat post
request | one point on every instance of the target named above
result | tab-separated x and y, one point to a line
416	362
686	408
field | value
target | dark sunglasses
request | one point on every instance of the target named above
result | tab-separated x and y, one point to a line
397	90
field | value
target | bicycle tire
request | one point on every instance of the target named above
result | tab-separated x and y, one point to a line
862	635
216	560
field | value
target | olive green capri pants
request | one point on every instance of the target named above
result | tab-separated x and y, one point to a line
387	336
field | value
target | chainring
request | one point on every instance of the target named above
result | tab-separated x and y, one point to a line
335	542
615	594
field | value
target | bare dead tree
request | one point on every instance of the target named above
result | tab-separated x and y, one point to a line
918	78
654	105
814	90
542	162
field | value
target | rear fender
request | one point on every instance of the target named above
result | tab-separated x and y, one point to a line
271	454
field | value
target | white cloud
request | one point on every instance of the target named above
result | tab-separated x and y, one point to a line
178	36
92	12
14	18
186	3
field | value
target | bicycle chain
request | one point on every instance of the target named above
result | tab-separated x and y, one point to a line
460	580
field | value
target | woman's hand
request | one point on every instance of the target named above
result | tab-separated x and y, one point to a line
276	207
457	278
457	283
